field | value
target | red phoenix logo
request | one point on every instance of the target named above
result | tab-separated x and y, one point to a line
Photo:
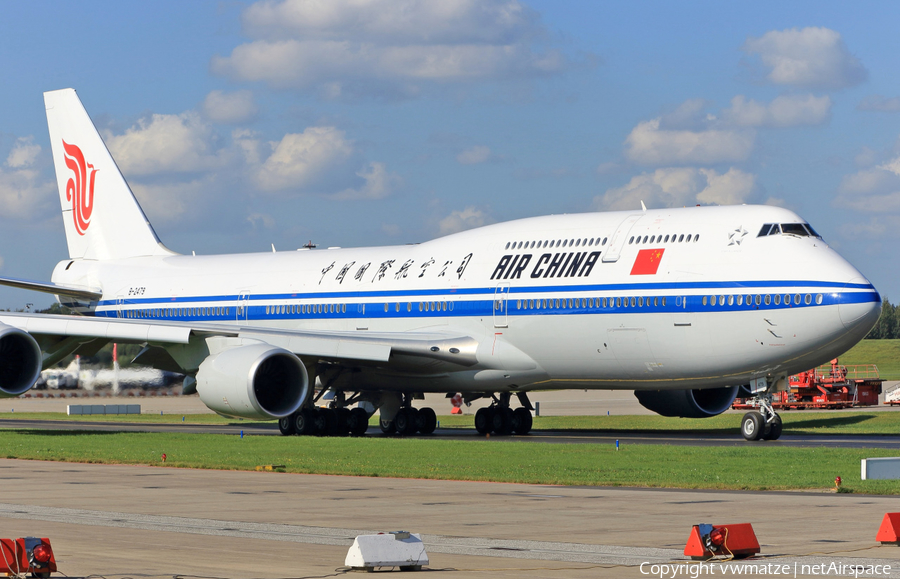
77	189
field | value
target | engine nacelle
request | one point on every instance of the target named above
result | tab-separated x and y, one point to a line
256	381
20	361
688	403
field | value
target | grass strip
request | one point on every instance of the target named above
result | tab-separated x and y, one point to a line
750	467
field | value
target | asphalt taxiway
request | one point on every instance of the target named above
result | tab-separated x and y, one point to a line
116	520
549	436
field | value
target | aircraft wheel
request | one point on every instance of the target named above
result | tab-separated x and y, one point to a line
774	430
523	421
753	425
407	422
358	422
325	422
427	420
305	422
287	426
501	421
483	419
342	421
388	426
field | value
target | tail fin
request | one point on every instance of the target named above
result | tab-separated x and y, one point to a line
110	225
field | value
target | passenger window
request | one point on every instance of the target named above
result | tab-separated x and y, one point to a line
777	299
664	301
768	299
807	299
704	300
818	299
796	299
618	302
604	240
730	300
758	299
680	238
721	300
640	302
630	241
740	300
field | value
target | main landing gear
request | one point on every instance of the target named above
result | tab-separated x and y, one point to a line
499	418
409	420
316	421
762	424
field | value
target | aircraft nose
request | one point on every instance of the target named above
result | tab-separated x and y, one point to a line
859	309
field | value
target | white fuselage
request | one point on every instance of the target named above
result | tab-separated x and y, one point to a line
569	301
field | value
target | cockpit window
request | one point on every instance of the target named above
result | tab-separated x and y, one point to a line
799	229
794	229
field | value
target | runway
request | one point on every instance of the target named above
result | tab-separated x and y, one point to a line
554	437
116	520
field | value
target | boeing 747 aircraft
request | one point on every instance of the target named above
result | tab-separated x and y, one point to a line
683	306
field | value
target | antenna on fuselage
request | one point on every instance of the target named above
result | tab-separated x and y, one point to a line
644	207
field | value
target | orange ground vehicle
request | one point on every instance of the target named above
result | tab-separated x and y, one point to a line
833	386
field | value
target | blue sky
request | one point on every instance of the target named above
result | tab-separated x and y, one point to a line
369	122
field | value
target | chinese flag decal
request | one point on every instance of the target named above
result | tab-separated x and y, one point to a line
647	262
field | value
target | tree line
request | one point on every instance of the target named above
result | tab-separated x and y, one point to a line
888	326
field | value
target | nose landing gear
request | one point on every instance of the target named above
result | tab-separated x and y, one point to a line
762	424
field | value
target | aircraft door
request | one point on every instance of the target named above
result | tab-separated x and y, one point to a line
242	312
501	305
617	242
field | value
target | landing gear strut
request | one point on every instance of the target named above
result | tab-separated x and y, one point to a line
762	424
499	418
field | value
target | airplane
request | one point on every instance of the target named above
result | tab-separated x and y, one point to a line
684	306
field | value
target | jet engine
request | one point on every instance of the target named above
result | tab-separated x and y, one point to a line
256	381
20	361
688	403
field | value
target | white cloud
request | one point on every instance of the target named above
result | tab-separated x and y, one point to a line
23	192
378	184
229	108
474	155
649	145
872	190
166	203
680	186
301	160
784	111
261	221
808	57
468	218
23	153
338	44
163	144
879	103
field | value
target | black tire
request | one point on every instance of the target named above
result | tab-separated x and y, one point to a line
406	421
523	421
305	422
358	422
774	430
341	421
388	426
501	421
427	420
753	426
483	419
287	426
326	422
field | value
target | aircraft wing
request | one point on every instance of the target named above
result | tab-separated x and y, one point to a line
374	347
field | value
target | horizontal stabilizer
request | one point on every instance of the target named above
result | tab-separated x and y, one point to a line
52	288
